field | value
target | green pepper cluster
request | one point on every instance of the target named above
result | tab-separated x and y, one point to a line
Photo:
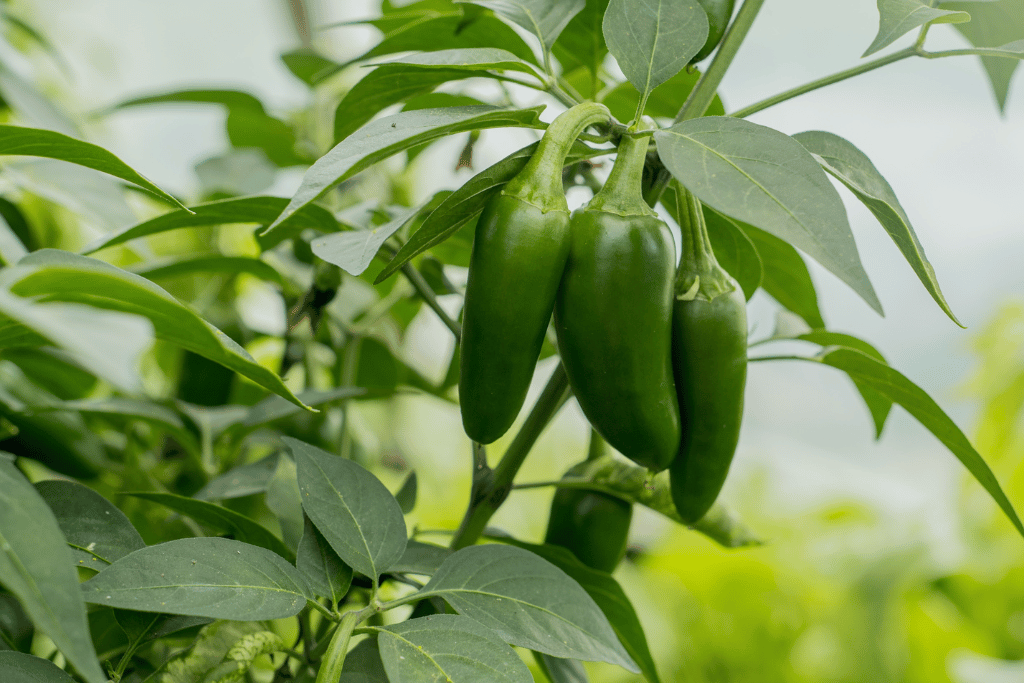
655	353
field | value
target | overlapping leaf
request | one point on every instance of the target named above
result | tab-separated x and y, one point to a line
761	176
543	18
204	577
897	17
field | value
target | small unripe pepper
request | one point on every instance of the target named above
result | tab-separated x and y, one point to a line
592	524
709	354
519	252
613	314
719	12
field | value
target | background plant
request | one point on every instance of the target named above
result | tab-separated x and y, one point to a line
176	429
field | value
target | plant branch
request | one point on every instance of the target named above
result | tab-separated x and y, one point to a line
323	610
827	80
703	93
424	290
493	493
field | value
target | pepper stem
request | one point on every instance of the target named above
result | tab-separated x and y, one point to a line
540	181
699	275
622	192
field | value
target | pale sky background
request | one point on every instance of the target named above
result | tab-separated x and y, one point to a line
931	127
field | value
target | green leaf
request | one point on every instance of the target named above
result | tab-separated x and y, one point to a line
421	558
220	518
664	101
353	251
468	201
898	17
879	405
260	210
469	59
386	136
285	500
528	602
784	276
733	249
560	670
453	31
352	509
761	176
854	170
406	495
994	24
62	276
543	18
203	577
637	485
98	533
363	664
108	344
609	597
275	408
35	142
582	44
11	246
23	668
327	576
875	374
309	66
151	413
447	647
247	124
245	480
234	172
224	265
386	85
652	41
36	566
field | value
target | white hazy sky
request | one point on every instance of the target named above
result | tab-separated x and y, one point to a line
930	127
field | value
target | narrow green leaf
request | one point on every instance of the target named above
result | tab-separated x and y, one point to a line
609	597
327	576
36	566
468	201
108	344
354	250
309	66
891	383
62	276
543	18
653	40
447	647
470	59
582	44
784	276
528	602
35	142
260	210
275	408
225	265
98	533
203	577
23	668
352	509
386	85
898	17
993	24
453	31
761	176
220	518
854	170
406	495
151	413
245	480
560	670
386	136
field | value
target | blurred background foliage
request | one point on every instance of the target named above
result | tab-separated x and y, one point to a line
844	591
